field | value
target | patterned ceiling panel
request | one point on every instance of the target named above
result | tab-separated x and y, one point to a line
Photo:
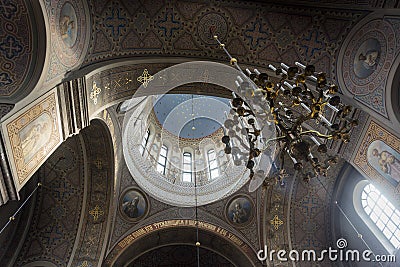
17	47
310	213
256	32
55	221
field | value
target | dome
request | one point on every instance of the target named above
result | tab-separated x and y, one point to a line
191	116
173	149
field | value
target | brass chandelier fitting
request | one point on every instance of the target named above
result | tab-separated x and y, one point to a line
300	105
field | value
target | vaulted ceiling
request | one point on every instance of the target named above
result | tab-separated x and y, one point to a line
93	53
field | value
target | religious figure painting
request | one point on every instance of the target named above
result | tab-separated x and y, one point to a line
385	160
31	135
239	210
134	204
35	135
67	25
367	58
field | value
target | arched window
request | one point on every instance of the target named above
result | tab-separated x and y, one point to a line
381	216
162	160
187	167
213	169
145	140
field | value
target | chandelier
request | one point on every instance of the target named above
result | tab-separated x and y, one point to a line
303	109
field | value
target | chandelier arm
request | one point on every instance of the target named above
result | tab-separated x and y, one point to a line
317	133
271	140
309	93
321	96
300	121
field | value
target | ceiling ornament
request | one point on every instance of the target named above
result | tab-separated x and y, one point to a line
303	109
276	222
145	78
95	92
96	212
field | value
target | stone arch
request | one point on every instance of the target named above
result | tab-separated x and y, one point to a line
182	232
95	220
172	255
72	206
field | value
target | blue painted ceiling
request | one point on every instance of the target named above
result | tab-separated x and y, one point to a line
191	116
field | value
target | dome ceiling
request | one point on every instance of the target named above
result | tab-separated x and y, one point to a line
191	116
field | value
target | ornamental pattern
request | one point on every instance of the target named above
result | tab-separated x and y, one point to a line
310	213
68	23
367	59
55	221
16	45
262	33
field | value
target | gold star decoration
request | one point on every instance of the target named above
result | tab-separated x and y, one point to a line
84	264
276	222
98	163
145	78
96	212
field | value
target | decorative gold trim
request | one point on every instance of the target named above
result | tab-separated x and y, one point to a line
132	237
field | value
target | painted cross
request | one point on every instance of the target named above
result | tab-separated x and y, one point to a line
256	34
10	47
84	264
98	163
168	24
312	44
309	204
115	22
61	189
7	8
96	212
51	234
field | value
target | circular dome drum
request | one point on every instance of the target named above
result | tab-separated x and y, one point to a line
164	159
170	187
